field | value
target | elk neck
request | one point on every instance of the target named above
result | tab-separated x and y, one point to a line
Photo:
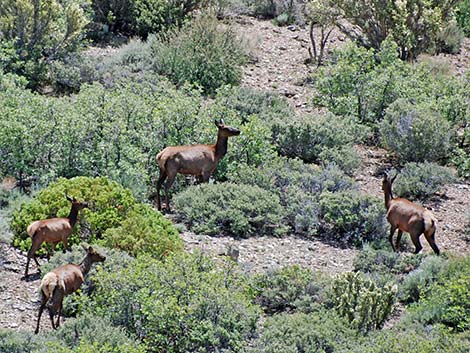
85	265
221	146
73	216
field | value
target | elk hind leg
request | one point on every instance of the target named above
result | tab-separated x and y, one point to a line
430	237
168	184
41	309
397	241
160	181
416	242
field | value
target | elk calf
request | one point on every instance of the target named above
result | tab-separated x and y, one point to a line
409	217
197	160
62	281
52	230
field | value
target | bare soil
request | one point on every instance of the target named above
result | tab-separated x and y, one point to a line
279	56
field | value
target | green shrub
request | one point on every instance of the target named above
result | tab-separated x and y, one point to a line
304	333
13	341
352	217
321	139
413	285
447	300
109	204
184	304
421	180
385	262
361	302
144	231
416	132
461	159
412	339
449	39
463	16
241	210
202	53
289	289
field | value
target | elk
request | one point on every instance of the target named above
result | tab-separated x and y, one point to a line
62	281
197	160
52	230
408	217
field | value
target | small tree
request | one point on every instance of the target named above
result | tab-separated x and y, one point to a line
35	32
323	15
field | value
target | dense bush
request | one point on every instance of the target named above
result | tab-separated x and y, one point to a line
109	204
321	139
383	262
416	132
182	305
144	231
421	278
304	333
202	53
289	289
412	339
463	16
35	32
447	300
352	217
361	302
240	210
421	180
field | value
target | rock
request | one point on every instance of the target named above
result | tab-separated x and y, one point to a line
292	28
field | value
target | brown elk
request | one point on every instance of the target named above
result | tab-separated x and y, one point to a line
409	217
52	230
63	281
197	160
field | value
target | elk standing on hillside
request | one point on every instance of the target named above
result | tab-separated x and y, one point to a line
63	281
52	230
408	217
197	160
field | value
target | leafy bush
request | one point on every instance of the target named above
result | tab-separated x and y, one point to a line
381	261
144	231
430	270
241	210
201	308
449	39
13	341
463	16
352	217
320	139
202	53
35	33
288	289
309	333
422	180
415	132
447	300
109	204
412	339
361	302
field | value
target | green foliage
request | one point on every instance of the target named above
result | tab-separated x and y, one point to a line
422	180
416	132
384	262
200	307
321	139
35	32
417	281
412	339
13	341
352	217
202	53
109	204
463	16
289	289
144	231
304	333
361	302
449	39
241	210
414	25
461	159
447	300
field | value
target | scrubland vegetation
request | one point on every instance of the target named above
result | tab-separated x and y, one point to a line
90	126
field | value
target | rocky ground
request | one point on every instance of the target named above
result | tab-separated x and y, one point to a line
278	64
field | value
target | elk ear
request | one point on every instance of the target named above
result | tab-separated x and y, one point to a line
68	198
222	122
216	123
393	179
